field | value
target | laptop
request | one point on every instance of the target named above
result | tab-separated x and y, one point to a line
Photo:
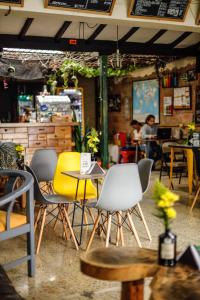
164	133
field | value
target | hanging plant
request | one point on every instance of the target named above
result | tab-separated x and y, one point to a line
70	69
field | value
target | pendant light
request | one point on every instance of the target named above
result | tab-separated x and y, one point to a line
118	58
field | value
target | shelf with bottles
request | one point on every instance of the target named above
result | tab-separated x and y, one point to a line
26	108
170	80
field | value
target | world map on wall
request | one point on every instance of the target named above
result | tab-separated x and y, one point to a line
145	99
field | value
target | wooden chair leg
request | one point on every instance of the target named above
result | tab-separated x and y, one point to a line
41	231
103	226
120	227
85	218
38	218
195	199
56	221
108	229
118	233
91	214
93	231
65	233
144	222
134	230
70	228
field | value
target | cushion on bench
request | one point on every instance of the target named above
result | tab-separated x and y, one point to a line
15	220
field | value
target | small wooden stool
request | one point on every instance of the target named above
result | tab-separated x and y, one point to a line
125	264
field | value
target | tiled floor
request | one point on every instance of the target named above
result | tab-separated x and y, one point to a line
57	265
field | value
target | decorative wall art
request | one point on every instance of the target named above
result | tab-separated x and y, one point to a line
167	106
197	107
114	103
146	99
182	98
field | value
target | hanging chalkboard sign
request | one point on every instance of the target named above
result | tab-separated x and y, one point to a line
12	2
162	9
95	6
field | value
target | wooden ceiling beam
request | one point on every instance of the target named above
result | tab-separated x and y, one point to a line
156	36
97	31
128	34
101	46
25	28
181	38
62	30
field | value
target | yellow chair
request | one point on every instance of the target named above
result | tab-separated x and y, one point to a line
66	185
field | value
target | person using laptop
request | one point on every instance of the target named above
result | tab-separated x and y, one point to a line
149	134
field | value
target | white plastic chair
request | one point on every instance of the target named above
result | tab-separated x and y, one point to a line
120	192
144	167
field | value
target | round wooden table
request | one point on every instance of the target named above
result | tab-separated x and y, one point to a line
125	264
131	266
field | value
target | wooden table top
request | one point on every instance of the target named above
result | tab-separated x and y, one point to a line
77	175
182	146
131	264
119	263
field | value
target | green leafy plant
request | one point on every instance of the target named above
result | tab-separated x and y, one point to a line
69	68
164	200
191	129
89	142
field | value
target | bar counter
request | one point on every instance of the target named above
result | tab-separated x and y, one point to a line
38	136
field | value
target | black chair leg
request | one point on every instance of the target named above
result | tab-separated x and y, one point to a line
82	219
31	253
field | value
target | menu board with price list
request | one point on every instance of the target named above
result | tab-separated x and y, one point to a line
96	6
162	9
12	2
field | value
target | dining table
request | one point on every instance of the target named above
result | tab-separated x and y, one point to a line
77	175
188	149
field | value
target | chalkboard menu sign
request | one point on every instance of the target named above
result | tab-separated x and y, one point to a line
166	9
96	6
12	2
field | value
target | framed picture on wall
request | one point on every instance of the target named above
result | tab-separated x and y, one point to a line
167	106
146	100
182	98
114	103
197	107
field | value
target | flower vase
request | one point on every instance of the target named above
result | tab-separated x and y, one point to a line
167	248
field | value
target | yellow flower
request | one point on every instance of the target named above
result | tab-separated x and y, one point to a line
163	203
164	200
170	212
191	126
170	197
19	148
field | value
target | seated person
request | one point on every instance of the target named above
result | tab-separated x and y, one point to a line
136	137
136	134
149	131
